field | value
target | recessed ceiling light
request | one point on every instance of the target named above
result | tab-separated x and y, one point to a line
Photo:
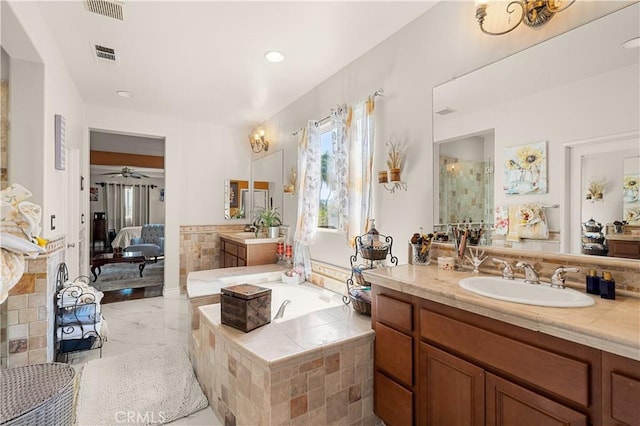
126	94
631	44
274	56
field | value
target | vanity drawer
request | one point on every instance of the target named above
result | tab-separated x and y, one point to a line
563	376
394	353
230	248
395	313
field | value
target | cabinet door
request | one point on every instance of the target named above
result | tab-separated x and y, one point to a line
510	404
230	260
452	390
393	353
392	402
620	390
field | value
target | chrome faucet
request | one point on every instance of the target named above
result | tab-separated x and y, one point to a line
507	271
530	274
558	278
280	312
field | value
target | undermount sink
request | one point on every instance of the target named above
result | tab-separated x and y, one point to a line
244	234
529	294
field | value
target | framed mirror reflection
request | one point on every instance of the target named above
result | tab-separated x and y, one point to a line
578	88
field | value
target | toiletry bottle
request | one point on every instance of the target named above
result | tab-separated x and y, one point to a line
607	286
593	282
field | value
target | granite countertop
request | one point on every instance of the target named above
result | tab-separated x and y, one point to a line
609	325
248	238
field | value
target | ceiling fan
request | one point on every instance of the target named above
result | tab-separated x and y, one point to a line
126	172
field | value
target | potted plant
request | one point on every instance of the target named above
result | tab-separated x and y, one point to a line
270	219
394	158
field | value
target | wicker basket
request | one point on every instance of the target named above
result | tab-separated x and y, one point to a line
39	394
360	306
374	253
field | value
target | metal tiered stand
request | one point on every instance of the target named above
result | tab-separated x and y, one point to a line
78	316
370	258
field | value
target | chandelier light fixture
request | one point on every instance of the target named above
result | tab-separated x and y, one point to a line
533	13
258	141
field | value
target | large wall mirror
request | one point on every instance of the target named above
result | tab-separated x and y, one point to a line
575	90
268	184
235	199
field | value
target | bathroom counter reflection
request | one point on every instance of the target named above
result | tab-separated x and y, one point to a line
487	119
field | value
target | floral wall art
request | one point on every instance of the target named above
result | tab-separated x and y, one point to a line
525	169
631	198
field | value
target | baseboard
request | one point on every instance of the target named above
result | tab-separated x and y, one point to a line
171	293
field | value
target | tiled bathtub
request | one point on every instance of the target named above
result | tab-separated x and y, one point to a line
316	368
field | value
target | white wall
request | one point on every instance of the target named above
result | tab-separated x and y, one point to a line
610	168
36	61
443	43
198	159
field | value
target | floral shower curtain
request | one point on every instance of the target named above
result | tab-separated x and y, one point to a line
354	154
352	132
309	159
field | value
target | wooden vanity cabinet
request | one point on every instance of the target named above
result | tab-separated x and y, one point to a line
393	321
622	248
234	254
620	390
467	369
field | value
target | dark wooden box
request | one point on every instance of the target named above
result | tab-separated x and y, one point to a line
245	306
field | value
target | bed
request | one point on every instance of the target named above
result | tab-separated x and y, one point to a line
123	239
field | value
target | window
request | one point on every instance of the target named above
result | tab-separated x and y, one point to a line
128	205
328	209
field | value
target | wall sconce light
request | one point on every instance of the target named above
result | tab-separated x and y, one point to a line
258	141
595	190
533	13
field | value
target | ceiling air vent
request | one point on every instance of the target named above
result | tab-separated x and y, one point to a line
109	8
104	53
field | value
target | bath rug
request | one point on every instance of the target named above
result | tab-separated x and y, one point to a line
146	386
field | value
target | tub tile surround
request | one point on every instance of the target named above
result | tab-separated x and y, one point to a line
27	318
314	369
609	325
200	248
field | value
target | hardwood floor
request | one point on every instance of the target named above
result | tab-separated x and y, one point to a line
130	294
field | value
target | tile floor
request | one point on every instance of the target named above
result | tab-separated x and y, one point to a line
149	323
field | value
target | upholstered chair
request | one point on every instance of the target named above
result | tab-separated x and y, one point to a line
151	241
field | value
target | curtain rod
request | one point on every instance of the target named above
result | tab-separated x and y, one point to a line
379	92
102	184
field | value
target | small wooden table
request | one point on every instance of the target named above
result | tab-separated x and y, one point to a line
106	258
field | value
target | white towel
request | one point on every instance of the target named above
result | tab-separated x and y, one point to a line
532	222
75	331
19	226
75	295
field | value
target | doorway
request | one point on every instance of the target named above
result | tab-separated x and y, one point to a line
127	213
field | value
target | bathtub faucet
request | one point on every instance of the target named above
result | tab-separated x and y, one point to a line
280	312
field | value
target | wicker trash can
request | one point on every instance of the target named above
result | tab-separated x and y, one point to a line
39	394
